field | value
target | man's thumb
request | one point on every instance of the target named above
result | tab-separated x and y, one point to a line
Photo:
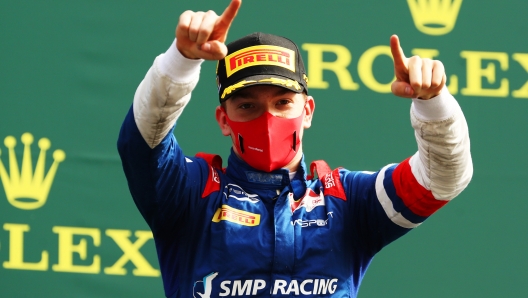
402	89
216	49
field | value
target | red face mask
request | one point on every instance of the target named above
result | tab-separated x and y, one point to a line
267	143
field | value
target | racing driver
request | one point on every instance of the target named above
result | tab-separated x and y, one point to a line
267	225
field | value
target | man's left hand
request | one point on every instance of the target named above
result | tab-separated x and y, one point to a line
416	77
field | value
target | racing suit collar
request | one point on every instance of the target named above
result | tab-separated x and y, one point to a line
247	176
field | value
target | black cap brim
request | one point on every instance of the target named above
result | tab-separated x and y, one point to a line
272	80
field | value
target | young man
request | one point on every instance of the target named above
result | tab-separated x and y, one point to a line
260	227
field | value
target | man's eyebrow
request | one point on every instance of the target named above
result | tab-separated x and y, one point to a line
251	95
282	91
243	94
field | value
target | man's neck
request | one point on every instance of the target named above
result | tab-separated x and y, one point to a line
293	165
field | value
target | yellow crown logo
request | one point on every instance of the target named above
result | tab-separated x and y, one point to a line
26	189
434	17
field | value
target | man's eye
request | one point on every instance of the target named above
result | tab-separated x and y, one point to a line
283	102
245	106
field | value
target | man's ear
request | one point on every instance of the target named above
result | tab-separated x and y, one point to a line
221	118
309	108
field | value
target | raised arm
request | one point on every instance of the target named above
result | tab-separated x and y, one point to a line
443	162
400	197
156	168
167	87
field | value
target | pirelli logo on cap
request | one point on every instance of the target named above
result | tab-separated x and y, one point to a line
260	55
236	216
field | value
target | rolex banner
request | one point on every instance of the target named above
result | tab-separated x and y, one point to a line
69	227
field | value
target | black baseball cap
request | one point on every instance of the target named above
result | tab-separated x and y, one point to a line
260	59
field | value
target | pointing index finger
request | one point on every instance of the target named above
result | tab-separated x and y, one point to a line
397	52
229	14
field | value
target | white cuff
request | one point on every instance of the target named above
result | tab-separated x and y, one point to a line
180	69
438	108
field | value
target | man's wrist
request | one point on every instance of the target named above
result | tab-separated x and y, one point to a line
436	108
179	68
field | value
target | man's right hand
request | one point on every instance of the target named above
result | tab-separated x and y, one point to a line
202	35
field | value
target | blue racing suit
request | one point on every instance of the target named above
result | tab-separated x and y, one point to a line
238	231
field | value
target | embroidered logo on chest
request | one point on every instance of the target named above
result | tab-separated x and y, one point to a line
309	201
236	192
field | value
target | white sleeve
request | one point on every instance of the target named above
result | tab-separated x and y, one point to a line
164	93
442	163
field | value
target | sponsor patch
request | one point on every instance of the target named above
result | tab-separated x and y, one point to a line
260	55
309	201
205	284
236	192
306	223
213	183
279	287
233	215
206	288
264	178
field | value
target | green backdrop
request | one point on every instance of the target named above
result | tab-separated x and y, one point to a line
69	70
